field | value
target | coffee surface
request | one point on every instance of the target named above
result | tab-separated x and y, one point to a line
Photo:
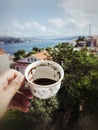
44	81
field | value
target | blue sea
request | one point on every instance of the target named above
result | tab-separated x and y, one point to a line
40	43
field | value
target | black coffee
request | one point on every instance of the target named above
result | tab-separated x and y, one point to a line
44	81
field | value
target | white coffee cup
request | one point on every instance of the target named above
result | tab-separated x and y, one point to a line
44	70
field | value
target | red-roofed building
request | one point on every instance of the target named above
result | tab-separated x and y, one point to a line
41	56
2	51
23	63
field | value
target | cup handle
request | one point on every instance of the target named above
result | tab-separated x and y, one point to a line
26	85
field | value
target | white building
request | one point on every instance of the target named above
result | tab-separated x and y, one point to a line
23	63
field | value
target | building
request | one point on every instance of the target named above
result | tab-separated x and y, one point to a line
81	44
23	63
4	61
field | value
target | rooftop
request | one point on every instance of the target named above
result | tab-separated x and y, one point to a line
2	51
41	56
38	56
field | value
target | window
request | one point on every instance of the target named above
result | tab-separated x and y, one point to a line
28	60
17	68
32	59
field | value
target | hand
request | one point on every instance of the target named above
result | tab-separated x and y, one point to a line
11	82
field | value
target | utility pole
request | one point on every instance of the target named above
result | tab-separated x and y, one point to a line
89	30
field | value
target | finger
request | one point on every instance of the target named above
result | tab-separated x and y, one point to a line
27	93
7	76
23	100
14	86
20	102
19	107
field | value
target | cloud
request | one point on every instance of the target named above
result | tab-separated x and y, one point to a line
84	10
28	28
29	25
50	17
35	28
16	24
86	6
79	14
58	22
56	26
40	27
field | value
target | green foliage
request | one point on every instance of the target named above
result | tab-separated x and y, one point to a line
38	118
80	38
30	53
80	83
36	49
19	54
14	120
79	88
48	49
41	112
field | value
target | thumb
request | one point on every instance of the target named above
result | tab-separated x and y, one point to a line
14	86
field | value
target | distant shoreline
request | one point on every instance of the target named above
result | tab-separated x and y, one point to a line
12	40
28	44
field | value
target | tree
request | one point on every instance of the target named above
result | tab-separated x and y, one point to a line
30	53
38	118
76	99
80	38
19	54
79	91
36	49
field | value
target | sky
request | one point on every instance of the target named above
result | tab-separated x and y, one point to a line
29	18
